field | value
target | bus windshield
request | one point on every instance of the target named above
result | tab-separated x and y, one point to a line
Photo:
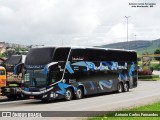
35	78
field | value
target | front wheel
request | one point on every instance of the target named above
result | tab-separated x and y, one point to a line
68	94
14	97
120	88
45	100
126	87
79	93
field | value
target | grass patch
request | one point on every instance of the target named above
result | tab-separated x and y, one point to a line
155	66
150	107
149	77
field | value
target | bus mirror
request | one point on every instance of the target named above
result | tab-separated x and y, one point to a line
46	68
45	71
64	80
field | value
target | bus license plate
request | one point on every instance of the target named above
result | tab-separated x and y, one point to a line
31	97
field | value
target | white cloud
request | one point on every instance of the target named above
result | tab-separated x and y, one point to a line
75	22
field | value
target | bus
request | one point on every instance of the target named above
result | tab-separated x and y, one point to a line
73	72
12	90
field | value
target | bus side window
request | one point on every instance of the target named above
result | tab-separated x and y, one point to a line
95	55
78	55
61	54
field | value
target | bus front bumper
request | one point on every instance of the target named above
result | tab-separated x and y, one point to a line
44	94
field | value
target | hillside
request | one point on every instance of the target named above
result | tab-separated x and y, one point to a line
141	46
8	49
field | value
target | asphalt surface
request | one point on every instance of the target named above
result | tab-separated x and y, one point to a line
146	92
156	72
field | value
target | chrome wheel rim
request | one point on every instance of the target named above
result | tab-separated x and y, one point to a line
68	94
120	88
126	87
79	93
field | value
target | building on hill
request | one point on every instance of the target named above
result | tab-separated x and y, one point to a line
2	47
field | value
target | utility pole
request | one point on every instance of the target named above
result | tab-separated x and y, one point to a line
127	30
135	42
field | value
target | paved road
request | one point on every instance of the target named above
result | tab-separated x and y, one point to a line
146	92
156	72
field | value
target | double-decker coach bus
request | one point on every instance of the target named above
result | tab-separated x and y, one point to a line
66	72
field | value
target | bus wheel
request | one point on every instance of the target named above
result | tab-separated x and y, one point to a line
120	88
68	94
45	100
79	93
126	87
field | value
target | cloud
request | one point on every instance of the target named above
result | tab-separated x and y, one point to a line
74	22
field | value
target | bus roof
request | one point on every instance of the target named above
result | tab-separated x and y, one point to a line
83	47
15	59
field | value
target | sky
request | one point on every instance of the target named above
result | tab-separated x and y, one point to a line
77	22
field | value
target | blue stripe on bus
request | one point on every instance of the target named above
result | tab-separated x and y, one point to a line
63	87
107	64
132	68
69	68
92	85
122	77
104	83
80	64
85	91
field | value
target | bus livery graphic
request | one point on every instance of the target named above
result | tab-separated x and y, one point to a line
122	77
92	85
131	70
104	83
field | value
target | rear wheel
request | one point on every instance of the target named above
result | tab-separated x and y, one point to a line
120	88
68	95
126	87
79	93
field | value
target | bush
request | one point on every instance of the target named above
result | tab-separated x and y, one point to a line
148	77
157	51
155	66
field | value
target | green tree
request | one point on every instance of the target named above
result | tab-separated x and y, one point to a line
2	55
157	51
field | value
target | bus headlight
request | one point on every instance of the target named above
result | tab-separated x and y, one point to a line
44	96
53	95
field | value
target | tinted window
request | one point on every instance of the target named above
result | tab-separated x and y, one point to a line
61	54
87	55
14	60
102	55
78	55
95	55
114	55
39	56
